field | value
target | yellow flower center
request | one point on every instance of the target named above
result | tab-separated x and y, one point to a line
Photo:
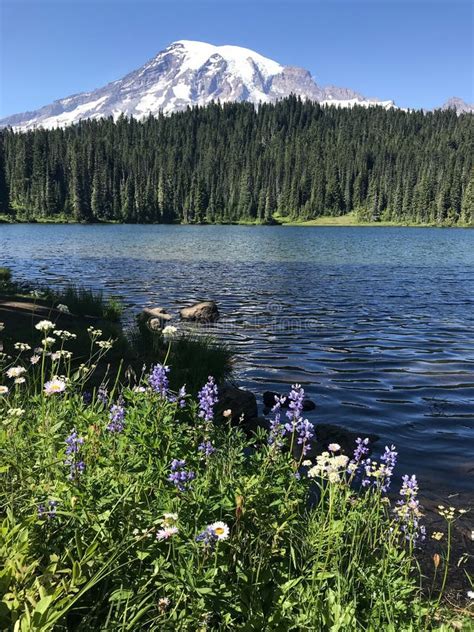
219	530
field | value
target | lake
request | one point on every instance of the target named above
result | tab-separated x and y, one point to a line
377	324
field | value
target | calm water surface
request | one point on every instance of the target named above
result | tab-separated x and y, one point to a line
376	323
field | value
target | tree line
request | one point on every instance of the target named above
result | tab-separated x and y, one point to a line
235	162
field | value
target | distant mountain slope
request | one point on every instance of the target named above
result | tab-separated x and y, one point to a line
190	73
461	107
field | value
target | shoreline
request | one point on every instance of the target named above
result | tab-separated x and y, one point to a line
323	222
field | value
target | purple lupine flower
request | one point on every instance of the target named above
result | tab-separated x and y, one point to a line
87	397
179	398
302	427
389	458
102	395
277	429
358	461
206	448
116	416
295	407
408	510
73	456
305	432
179	476
208	537
48	511
208	397
361	449
158	379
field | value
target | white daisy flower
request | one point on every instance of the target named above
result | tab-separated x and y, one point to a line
3	390
35	359
166	533
219	529
20	380
44	325
54	386
16	371
334	447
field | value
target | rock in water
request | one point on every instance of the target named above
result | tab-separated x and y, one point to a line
153	318
204	312
240	402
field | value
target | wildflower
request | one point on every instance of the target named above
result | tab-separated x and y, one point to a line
163	604
63	308
408	510
35	359
277	428
334	447
206	448
227	413
94	333
139	389
73	457
16	412
64	335
48	511
2	326
54	386
212	533
20	380
389	458
46	342
166	533
330	467
87	397
179	476
116	416
361	449
436	560
105	344
220	530
437	535
22	346
158	379
3	390
207	399
169	518
179	398
169	331
447	514
102	395
304	430
470	594
15	371
44	325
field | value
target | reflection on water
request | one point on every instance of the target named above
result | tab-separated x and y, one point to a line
376	323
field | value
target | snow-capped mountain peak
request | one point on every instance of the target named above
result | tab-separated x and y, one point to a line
188	73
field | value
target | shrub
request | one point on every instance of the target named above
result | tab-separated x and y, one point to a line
5	275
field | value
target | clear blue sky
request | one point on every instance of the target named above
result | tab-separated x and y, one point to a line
417	52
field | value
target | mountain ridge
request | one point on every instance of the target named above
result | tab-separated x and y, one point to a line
188	73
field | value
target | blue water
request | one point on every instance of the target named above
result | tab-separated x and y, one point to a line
376	323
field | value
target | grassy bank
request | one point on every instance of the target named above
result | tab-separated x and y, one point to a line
350	219
133	506
76	309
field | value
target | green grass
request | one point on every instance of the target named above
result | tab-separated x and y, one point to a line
305	548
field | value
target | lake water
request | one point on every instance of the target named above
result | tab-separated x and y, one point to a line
376	323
